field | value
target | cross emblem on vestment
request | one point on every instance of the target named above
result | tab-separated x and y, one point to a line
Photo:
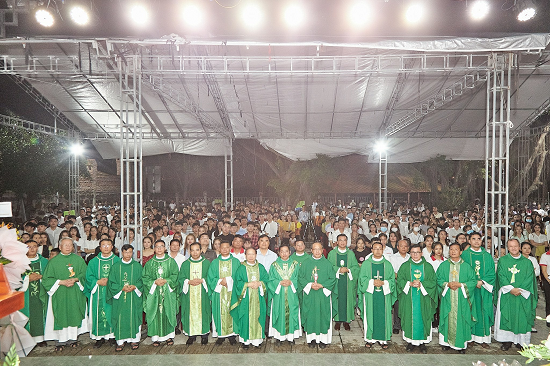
196	273
378	277
454	272
514	270
106	267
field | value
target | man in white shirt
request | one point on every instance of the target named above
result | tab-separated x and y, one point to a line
415	237
175	252
53	230
396	260
454	231
340	229
271	229
404	225
265	256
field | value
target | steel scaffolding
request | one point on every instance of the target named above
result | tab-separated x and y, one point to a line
229	197
383	180
131	158
497	144
74	181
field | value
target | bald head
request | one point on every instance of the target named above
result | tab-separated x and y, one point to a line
317	250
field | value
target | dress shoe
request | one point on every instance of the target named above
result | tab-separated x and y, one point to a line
346	326
518	346
337	326
246	346
177	330
534	330
112	342
322	345
220	341
410	347
484	345
396	331
423	349
191	340
548	324
99	343
204	339
232	340
312	344
506	346
277	343
445	348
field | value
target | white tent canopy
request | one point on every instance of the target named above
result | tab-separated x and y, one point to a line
426	97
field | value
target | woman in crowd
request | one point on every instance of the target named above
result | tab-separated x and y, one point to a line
393	239
428	247
189	239
148	251
79	242
361	251
442	237
437	256
538	240
518	233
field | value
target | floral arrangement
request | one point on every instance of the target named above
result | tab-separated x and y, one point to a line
539	352
13	255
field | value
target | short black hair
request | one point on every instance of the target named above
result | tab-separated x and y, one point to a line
125	247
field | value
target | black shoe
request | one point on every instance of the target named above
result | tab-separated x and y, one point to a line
396	331
312	344
506	346
518	346
112	342
423	349
246	346
220	341
191	340
204	339
548	324
277	343
178	331
462	351
99	343
346	326
322	345
232	340
445	348
410	347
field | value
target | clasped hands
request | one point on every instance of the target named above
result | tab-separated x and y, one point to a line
160	282
343	270
516	291
285	283
68	282
128	288
254	284
195	282
416	283
378	283
35	276
316	286
454	285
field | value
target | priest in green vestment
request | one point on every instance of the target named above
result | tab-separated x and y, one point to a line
249	300
160	284
455	281
300	254
345	265
124	294
417	295
317	282
64	279
284	320
196	311
516	298
221	275
35	294
482	295
376	289
99	311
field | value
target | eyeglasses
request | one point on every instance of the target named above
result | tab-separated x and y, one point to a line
416	252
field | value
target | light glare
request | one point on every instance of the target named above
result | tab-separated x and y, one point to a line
479	10
359	14
44	18
252	16
294	15
192	15
77	149
414	14
79	15
526	14
381	146
139	15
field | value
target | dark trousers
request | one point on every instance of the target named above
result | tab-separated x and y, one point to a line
546	288
396	320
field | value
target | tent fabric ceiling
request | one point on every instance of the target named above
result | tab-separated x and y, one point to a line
279	107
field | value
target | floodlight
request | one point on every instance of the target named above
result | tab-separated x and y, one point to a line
415	13
294	15
359	14
79	15
252	16
77	149
44	17
139	15
479	9
381	146
527	10
192	15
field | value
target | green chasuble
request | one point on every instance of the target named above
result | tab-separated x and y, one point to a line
68	303
456	315
248	305
416	310
160	301
35	298
347	285
317	309
196	311
285	305
482	298
223	324
517	314
299	258
375	303
127	307
99	311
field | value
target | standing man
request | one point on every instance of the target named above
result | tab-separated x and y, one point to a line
397	259
417	296
96	286
265	256
271	229
220	285
160	280
63	278
300	255
376	297
482	295
124	294
35	294
455	282
196	312
237	249
317	283
517	297
340	230
248	301
345	265
284	318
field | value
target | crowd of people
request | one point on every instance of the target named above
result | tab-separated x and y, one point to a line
245	274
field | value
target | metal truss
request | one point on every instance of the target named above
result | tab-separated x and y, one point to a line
9	17
383	181
74	182
229	196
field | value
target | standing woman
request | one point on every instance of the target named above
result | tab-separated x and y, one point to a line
519	234
79	242
393	239
539	240
527	252
437	256
442	238
189	239
148	251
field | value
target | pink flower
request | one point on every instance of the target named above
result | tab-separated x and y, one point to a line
16	252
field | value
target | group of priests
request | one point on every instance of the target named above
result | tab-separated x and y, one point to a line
246	301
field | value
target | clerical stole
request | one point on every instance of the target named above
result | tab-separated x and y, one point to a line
342	261
417	273
226	270
195	303
35	299
379	303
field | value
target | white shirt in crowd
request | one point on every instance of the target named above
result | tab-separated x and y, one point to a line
397	260
416	238
267	259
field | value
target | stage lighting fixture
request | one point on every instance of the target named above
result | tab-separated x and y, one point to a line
252	16
359	14
381	146
415	13
192	15
479	9
526	10
77	149
44	17
294	15
139	15
79	15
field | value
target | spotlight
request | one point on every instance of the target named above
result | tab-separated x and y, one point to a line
44	17
139	15
252	16
415	13
527	10
359	14
79	15
479	9
294	15
77	149
192	15
381	146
